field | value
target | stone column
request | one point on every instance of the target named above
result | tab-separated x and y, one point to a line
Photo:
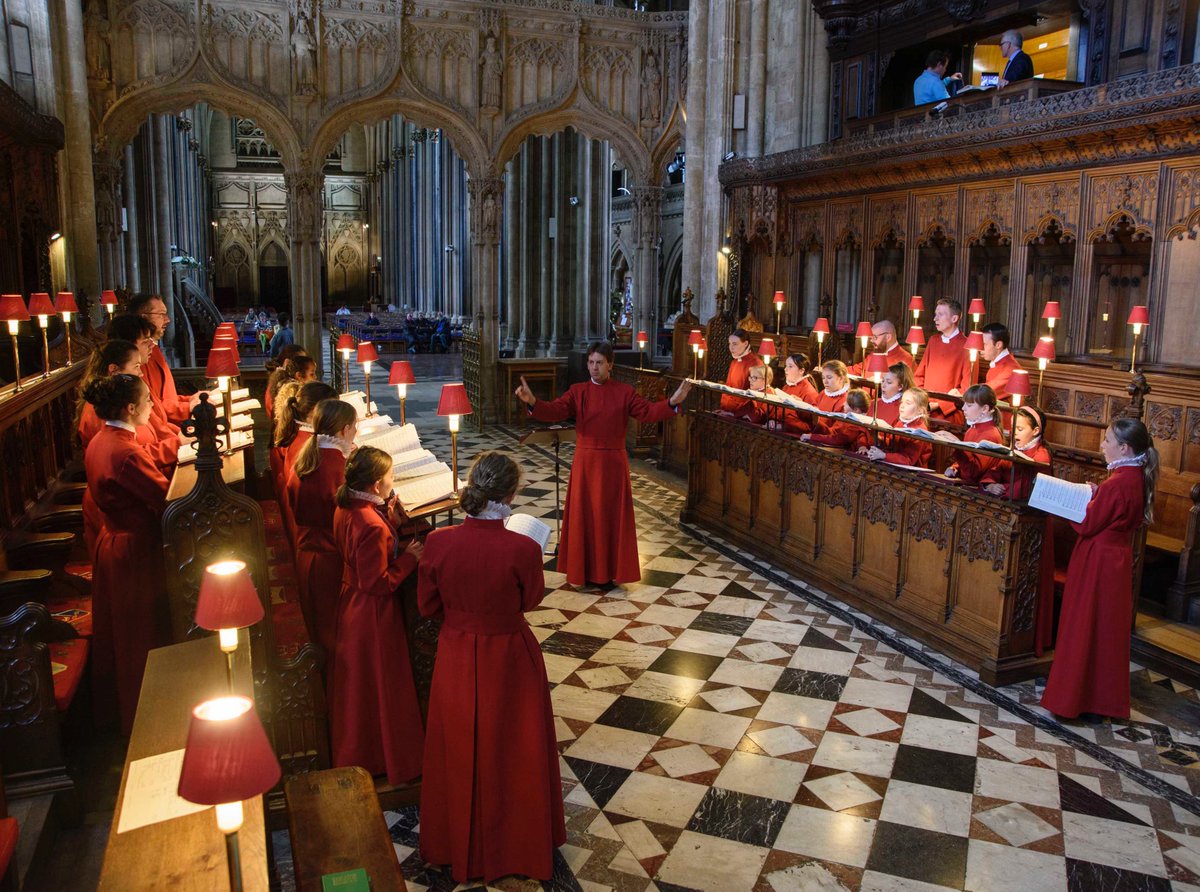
513	246
647	223
756	108
487	199
162	225
304	236
106	175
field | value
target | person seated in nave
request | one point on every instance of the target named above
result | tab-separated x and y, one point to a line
983	423
842	434
895	381
1001	363
373	709
292	364
883	340
283	335
742	359
913	415
319	470
932	84
1027	439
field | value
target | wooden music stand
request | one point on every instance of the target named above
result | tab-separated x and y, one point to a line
556	434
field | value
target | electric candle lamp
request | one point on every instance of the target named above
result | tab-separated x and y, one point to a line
345	346
1138	317
401	374
64	304
974	346
227	760
1018	389
916	338
13	311
454	403
221	365
976	310
766	350
876	367
226	328
1043	352
642	339
227	602
779	301
367	354
820	329
916	303
108	300
230	343
694	342
41	306
700	349
1051	313
863	333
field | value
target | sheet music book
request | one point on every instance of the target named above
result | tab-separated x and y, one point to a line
240	394
358	400
991	444
1060	497
241	407
413	494
922	470
187	451
531	527
242	422
392	439
416	463
944	436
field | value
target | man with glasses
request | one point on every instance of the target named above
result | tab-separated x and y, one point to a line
155	371
1020	66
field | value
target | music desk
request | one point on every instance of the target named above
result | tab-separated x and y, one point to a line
533	369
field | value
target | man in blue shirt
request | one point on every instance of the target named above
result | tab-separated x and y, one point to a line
932	83
284	337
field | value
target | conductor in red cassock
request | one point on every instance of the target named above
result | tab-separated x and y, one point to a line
491	796
599	538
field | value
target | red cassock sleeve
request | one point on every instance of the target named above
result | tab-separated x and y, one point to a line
531	576
373	560
646	411
145	481
1107	507
842	435
163	452
552	411
908	451
974	467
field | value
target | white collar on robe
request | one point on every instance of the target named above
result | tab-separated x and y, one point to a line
366	497
845	389
324	441
946	339
992	364
1030	445
891	399
981	421
1134	461
494	511
907	421
123	425
304	426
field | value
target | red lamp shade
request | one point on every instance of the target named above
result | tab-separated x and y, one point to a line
108	298
401	373
229	344
778	300
227	597
916	302
367	352
642	337
1137	316
767	347
1051	311
454	400
704	343
345	342
228	757
877	363
916	335
226	328
976	308
863	330
221	363
695	336
1018	383
975	341
64	302
821	326
40	304
12	308
1044	349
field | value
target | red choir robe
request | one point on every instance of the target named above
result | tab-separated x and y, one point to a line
998	374
318	562
162	387
757	411
975	468
738	377
896	353
1090	672
843	435
373	710
805	390
599	537
829	402
945	367
491	799
129	606
908	450
282	458
885	411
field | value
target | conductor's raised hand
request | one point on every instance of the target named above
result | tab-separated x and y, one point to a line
524	394
681	393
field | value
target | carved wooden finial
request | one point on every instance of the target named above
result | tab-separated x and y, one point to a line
206	426
1138	388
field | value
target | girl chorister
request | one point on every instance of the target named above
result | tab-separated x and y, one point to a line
1090	672
833	397
895	381
1027	439
913	415
759	382
292	364
843	434
979	408
797	383
297	418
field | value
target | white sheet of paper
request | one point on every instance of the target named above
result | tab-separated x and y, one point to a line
416	493
1060	497
151	792
529	526
393	440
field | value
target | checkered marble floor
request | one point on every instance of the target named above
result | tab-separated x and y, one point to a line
725	726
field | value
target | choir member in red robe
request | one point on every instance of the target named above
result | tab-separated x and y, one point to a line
1091	659
760	382
129	609
742	359
843	434
319	470
491	798
946	366
140	331
797	383
599	536
374	714
1001	363
883	340
297	421
158	375
974	468
913	415
833	397
886	406
292	364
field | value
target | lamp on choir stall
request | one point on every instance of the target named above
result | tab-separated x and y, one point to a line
694	342
1051	313
367	354
876	367
401	374
227	328
916	303
820	329
700	353
64	305
779	302
1018	389
109	301
230	343
976	310
41	306
974	347
345	346
454	403
642	340
766	350
1138	317
221	365
227	759
13	311
863	333
916	338
1043	352
227	602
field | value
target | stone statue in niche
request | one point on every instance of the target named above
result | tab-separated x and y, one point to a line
304	50
490	223
491	76
96	42
651	105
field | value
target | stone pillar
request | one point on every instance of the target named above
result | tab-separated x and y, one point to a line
106	175
647	223
304	236
756	108
513	246
487	199
162	225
